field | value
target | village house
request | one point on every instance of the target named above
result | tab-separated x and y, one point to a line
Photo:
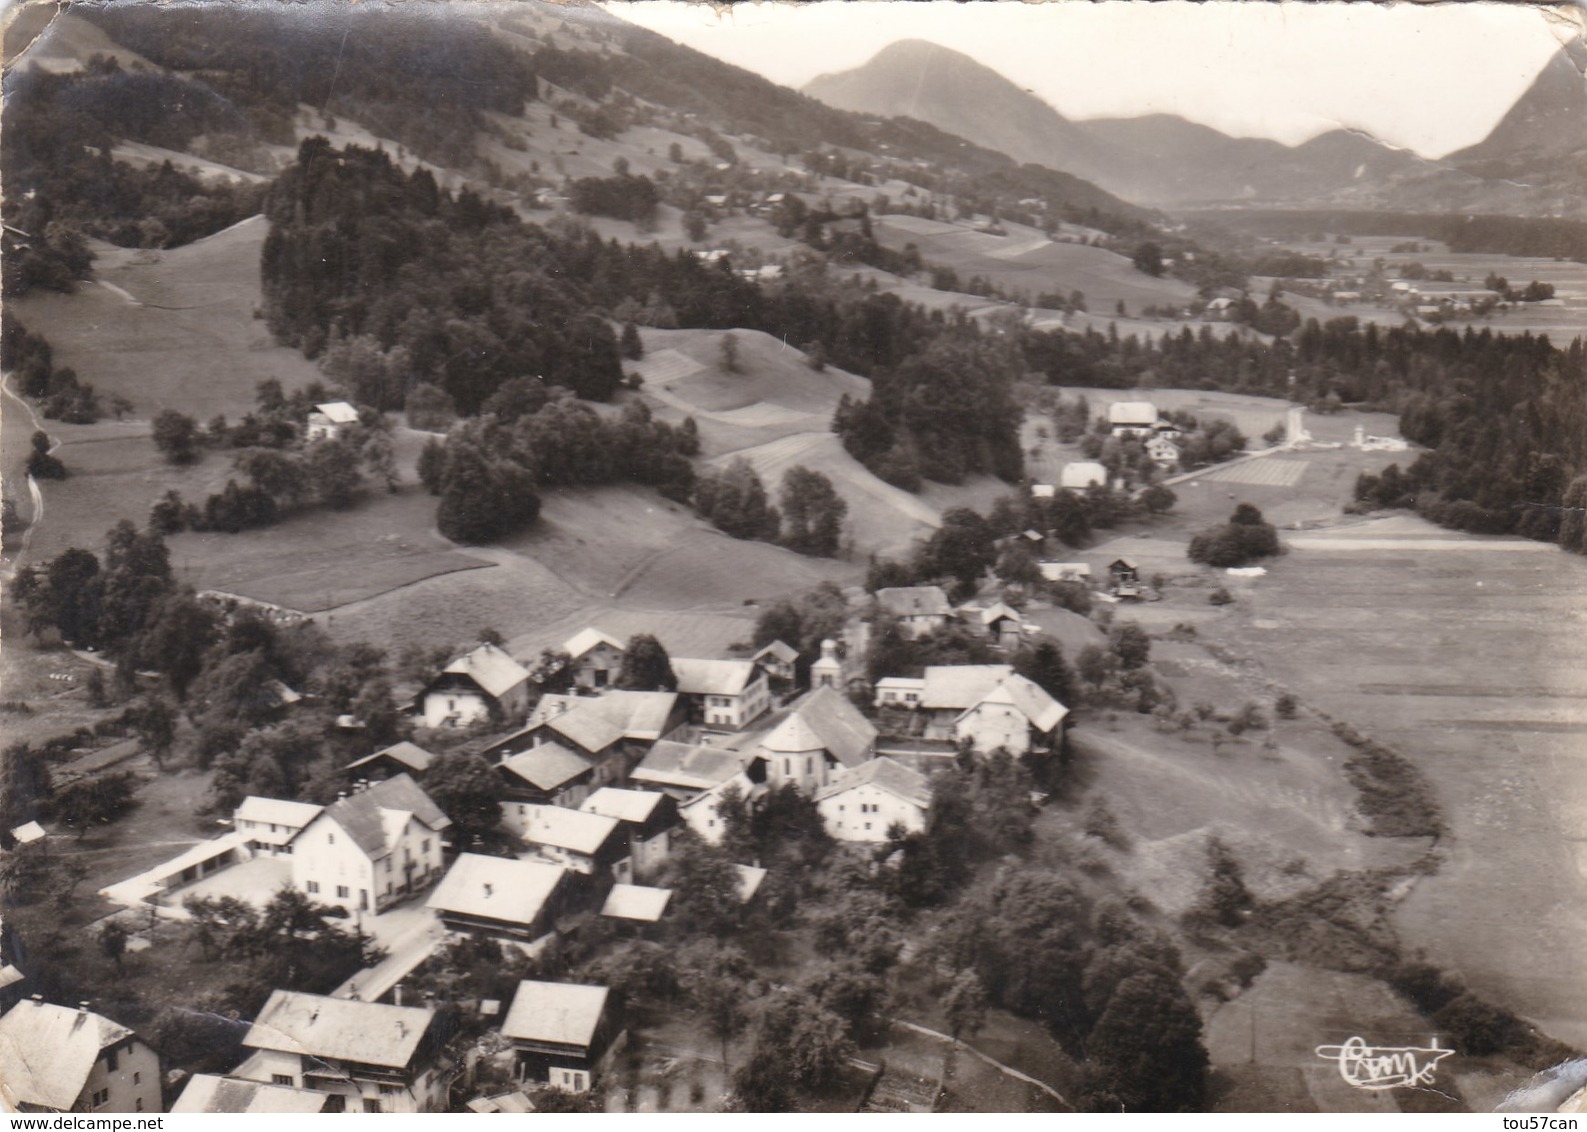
503	898
388	762
483	684
270	825
205	1092
547	775
1124	577
1221	309
1162	451
723	694
999	621
635	905
778	659
750	781
64	1059
595	657
368	1057
1017	715
1065	572
1132	418
370	849
331	420
822	736
863	803
684	771
899	692
613	731
647	818
1081	474
562	1033
947	691
587	843
919	609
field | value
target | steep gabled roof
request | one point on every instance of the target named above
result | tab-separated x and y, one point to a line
547	766
885	774
596	722
343	1029
847	734
364	815
954	687
1029	698
793	736
712	677
1082	473
914	601
491	668
48	1051
779	649
1132	413
496	888
685	765
997	612
559	1013
588	638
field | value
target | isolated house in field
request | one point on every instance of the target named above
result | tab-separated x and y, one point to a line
647	818
206	1092
1124	577
503	898
388	762
613	731
367	1056
723	694
586	843
331	420
823	736
1081	474
596	658
863	803
270	825
65	1059
1221	309
919	609
1132	419
372	848
547	775
476	686
561	1033
1017	715
778	659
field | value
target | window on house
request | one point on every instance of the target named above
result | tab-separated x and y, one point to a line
101	1097
389	1090
138	1105
281	1079
372	1104
810	765
425	845
330	839
342	892
137	1078
336	1102
867	825
313	887
110	1060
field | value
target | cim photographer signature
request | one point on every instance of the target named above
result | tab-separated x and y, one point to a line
1384	1067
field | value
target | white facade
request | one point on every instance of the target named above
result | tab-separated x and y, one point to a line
899	691
329	865
864	813
455	707
989	726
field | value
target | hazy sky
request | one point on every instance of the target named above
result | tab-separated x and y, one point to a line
1429	77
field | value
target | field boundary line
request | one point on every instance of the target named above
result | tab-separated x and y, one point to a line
1008	1070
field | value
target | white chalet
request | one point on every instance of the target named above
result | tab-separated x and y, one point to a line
65	1059
726	694
1017	715
1081	474
367	1056
474	685
862	803
330	420
596	658
919	609
1132	418
370	849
